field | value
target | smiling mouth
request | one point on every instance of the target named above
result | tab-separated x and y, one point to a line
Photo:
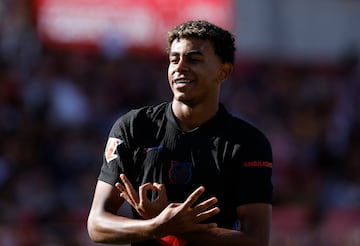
183	81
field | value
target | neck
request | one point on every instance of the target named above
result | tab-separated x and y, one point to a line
189	117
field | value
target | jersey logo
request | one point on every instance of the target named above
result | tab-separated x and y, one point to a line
258	164
180	172
110	149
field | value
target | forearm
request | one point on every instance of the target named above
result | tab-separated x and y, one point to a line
110	228
220	237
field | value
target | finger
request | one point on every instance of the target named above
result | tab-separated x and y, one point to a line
159	187
192	198
162	196
123	193
125	196
205	205
132	193
207	214
120	187
143	189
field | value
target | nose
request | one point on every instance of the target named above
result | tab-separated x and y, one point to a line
181	66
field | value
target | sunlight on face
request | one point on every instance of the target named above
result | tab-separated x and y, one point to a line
194	71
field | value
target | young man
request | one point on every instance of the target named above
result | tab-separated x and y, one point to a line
174	161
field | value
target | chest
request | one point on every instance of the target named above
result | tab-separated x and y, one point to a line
184	161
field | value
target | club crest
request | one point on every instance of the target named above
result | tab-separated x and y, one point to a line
180	172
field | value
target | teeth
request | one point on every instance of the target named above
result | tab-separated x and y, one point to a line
183	81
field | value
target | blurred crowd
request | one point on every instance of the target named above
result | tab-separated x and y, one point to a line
56	108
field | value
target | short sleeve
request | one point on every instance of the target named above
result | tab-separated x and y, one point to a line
253	179
117	156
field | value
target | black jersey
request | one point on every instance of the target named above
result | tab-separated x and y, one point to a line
228	156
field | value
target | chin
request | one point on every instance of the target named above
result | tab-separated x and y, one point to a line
185	101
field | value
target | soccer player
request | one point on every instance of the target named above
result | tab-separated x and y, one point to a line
193	173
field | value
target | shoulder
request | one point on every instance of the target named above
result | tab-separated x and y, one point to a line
239	125
142	115
244	132
139	122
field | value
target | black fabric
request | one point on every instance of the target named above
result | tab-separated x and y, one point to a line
230	157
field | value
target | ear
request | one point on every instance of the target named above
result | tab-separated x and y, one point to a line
225	71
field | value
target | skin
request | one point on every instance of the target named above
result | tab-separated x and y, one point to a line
105	226
255	218
196	99
195	75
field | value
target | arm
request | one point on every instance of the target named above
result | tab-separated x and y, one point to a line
256	221
255	218
255	229
105	226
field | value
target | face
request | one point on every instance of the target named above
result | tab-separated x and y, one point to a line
195	72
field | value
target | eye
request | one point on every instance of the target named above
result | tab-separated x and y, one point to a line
173	59
194	59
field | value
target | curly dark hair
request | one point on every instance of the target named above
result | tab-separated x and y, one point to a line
222	40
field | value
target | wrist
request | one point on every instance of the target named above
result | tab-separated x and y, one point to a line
155	229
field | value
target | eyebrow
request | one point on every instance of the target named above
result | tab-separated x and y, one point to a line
188	53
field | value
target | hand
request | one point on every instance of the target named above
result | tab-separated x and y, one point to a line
179	218
139	200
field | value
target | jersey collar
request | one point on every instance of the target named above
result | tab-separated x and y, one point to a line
211	125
